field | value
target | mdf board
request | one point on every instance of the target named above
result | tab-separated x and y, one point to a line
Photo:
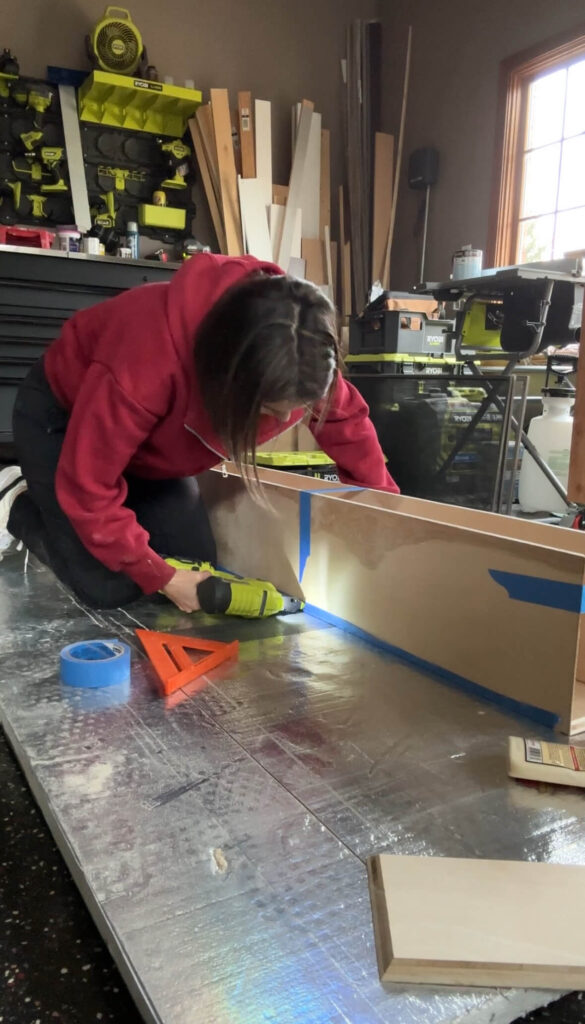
246	127
446	921
499	600
263	128
383	190
295	193
227	171
254	219
210	193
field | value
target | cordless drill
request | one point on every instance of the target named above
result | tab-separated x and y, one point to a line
225	593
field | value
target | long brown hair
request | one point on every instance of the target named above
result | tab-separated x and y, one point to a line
268	339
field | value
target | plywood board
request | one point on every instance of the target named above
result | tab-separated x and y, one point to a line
227	171
449	921
311	183
325	192
254	218
383	191
263	128
280	194
246	128
312	252
208	185
293	203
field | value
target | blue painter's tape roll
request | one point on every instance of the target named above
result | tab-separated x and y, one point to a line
93	663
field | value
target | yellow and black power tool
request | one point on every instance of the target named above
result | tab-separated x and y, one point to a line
177	155
225	593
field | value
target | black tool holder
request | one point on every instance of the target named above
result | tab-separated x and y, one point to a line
540	307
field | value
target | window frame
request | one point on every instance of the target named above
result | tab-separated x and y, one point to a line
516	74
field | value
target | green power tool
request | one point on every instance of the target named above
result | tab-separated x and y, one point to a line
225	593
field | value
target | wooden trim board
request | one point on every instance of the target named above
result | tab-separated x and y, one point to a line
75	161
254	218
275	220
293	202
205	121
385	564
247	142
383	171
310	202
312	252
325	189
496	923
264	148
227	171
208	184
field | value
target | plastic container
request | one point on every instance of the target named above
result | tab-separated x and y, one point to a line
467	262
69	239
551	435
132	238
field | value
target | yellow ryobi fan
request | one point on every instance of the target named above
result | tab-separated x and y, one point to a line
115	44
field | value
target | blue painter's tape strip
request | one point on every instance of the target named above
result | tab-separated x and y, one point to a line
94	663
304	531
517	707
305	520
569	597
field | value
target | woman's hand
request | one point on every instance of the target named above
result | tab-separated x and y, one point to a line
182	589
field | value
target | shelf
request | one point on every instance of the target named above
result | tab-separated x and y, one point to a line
122	101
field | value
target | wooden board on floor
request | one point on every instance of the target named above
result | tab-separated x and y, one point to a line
383	191
447	921
210	193
293	203
246	126
228	182
263	127
254	219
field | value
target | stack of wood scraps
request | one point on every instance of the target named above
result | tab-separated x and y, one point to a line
286	224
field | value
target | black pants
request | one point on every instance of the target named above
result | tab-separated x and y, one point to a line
171	511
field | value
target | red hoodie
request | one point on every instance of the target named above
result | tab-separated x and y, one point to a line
125	370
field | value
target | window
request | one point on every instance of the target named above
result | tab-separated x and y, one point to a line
538	207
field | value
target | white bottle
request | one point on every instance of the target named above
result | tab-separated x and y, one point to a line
551	436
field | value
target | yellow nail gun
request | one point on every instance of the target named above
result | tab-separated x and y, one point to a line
225	593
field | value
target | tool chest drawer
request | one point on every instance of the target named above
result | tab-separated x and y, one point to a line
39	291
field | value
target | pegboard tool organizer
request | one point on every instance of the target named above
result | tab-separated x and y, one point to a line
136	104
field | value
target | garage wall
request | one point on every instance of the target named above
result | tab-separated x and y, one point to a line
457	49
280	50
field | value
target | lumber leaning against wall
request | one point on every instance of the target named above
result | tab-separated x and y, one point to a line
482	600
